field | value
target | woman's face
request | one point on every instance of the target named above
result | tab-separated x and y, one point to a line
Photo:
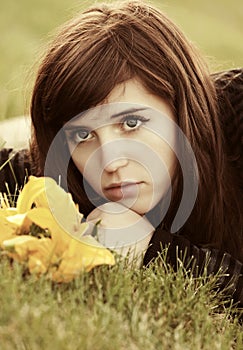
122	147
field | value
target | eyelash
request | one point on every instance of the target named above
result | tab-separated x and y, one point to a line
73	134
134	117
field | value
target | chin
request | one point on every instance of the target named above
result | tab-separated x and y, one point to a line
140	209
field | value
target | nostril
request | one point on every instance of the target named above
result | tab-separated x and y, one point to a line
115	165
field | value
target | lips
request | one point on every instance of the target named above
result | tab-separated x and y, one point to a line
117	191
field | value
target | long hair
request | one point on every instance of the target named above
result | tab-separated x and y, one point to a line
111	43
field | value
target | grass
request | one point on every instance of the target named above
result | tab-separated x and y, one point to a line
215	27
115	308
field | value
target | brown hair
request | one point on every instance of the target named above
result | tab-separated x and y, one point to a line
109	44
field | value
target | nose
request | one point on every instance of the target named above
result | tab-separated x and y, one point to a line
113	166
112	151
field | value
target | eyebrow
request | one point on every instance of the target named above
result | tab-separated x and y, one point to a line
132	110
128	111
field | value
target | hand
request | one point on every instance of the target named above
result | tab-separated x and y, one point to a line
121	227
114	215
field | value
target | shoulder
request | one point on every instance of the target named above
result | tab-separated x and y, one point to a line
229	88
229	83
232	76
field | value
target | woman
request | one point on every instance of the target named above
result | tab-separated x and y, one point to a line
127	57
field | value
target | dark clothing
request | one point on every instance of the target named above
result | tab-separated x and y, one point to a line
230	94
16	170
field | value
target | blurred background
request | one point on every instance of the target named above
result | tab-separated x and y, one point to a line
215	27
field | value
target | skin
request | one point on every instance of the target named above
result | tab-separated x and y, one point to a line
124	158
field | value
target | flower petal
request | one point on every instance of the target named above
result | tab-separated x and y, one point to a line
32	191
37	265
4	212
43	218
19	246
63	209
7	229
81	257
21	221
45	192
41	256
61	238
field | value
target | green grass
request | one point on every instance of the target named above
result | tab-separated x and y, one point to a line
115	308
214	26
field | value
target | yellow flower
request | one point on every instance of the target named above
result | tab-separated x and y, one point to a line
77	253
67	252
7	230
74	261
38	253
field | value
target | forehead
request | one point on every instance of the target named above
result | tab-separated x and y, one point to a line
129	97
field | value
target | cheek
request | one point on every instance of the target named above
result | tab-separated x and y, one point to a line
89	166
164	152
79	158
167	155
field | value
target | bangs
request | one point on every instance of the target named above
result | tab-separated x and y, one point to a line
87	79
